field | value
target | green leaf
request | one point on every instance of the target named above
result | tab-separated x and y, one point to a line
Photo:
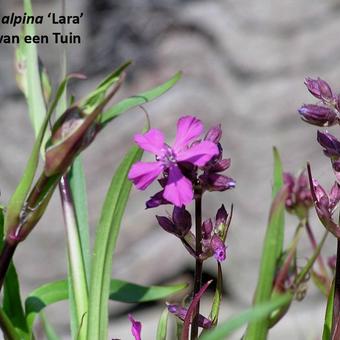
105	243
132	293
35	98
137	100
218	296
162	325
18	198
277	185
259	312
12	305
271	252
7	327
327	327
122	291
43	296
94	99
77	180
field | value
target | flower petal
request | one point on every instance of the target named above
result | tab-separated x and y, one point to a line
178	189
136	327
142	174
199	154
151	141
188	128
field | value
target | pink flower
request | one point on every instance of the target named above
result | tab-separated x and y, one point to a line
178	189
136	328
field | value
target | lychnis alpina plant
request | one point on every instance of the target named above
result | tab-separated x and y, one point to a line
187	170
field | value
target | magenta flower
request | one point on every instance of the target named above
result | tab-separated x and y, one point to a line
136	328
178	188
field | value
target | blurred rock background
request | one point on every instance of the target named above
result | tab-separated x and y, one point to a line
244	63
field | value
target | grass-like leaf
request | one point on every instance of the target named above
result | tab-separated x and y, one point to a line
327	327
162	325
271	252
122	291
137	100
105	243
77	180
259	312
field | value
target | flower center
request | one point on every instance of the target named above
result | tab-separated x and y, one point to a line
167	156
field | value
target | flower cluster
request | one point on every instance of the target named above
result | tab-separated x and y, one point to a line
214	236
180	163
325	113
299	198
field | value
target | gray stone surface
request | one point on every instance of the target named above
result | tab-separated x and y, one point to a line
244	63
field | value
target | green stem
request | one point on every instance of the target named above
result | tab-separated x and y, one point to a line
7	328
76	259
199	263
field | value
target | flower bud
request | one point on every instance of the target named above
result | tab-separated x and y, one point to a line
182	220
207	228
136	327
221	216
330	144
181	313
318	115
319	88
218	248
180	223
214	134
215	182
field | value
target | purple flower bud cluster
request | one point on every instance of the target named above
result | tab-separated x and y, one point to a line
325	204
325	113
299	197
214	235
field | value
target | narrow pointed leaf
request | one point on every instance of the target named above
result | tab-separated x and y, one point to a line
7	327
138	99
259	312
327	327
77	180
162	325
35	98
122	291
270	254
105	243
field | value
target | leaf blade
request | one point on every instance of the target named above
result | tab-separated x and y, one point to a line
138	99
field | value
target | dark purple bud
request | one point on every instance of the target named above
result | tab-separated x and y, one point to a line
156	200
182	220
166	224
218	248
318	115
221	216
334	196
214	134
220	165
330	144
181	313
319	88
216	182
136	328
207	228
